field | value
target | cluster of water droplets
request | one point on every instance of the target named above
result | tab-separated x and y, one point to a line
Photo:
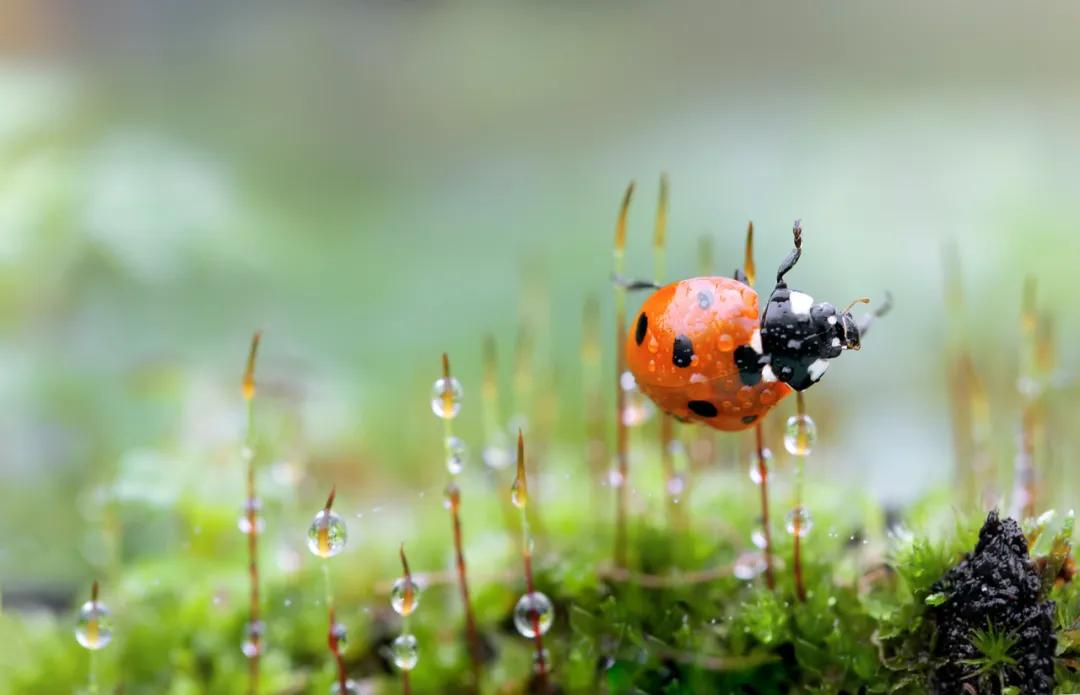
800	434
93	627
404	599
327	534
637	407
532	612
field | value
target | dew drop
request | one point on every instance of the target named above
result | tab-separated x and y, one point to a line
637	408
748	565
541	661
455	454
676	484
725	343
327	534
755	468
251	511
405	596
496	455
351	688
446	398
757	537
799	521
405	652
533	610
93	629
253	644
800	435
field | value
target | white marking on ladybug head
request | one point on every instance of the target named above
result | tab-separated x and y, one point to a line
817	369
767	374
755	341
836	342
831	320
801	303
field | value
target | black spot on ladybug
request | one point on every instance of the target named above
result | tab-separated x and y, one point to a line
749	363
704	299
682	352
702	408
749	419
642	326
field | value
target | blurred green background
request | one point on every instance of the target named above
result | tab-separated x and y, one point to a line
375	183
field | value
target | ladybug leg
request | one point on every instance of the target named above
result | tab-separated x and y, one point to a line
629	284
741	276
793	257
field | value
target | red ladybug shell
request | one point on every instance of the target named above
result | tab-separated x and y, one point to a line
680	350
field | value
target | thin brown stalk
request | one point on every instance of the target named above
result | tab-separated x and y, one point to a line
800	588
333	640
492	417
763	473
408	602
247	389
453	495
520	497
1025	490
759	435
621	434
667	423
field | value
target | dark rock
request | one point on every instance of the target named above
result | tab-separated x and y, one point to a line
994	585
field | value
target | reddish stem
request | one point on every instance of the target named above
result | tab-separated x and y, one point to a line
463	582
335	648
763	473
406	688
800	589
537	637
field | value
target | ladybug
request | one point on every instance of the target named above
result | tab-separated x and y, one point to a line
701	351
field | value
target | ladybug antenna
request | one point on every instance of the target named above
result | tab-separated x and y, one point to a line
885	307
860	300
793	257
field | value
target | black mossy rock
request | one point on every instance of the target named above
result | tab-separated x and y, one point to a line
994	585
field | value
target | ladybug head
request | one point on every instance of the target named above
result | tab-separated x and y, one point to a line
799	336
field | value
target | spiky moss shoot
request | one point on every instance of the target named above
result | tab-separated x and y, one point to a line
993	628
